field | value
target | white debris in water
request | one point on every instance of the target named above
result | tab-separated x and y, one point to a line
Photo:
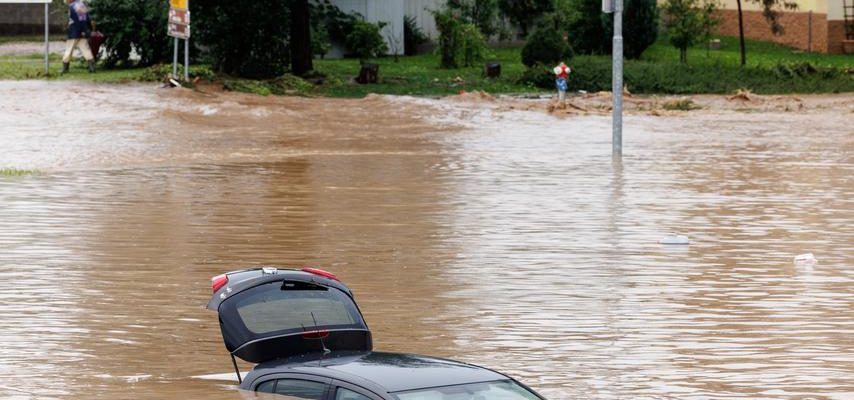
675	239
806	259
226	376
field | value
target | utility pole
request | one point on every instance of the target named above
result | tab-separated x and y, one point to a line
616	6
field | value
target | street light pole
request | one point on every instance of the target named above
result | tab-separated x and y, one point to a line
617	81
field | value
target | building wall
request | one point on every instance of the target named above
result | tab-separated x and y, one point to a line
420	9
797	29
28	19
389	11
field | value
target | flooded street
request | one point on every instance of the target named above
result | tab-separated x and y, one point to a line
505	238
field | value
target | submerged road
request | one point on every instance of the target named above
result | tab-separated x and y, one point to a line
504	238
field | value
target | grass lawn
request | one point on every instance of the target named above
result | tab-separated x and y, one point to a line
757	53
771	69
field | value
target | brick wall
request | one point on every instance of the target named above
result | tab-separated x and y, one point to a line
28	19
795	24
835	36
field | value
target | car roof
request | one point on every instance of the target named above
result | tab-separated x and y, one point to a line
393	372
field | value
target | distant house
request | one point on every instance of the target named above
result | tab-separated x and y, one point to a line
823	26
392	12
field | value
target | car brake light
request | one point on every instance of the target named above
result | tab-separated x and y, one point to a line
315	335
218	282
320	272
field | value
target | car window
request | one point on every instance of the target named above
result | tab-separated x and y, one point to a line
497	390
346	394
294	305
294	388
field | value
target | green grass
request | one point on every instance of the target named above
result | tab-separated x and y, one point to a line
757	54
771	69
12	172
31	38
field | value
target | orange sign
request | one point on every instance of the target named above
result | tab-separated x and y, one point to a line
179	4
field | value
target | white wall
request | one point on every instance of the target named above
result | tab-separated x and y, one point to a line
423	18
389	11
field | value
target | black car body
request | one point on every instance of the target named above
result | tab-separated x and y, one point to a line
309	340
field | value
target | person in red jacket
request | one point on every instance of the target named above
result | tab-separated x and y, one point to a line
561	78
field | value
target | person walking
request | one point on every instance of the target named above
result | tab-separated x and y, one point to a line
79	29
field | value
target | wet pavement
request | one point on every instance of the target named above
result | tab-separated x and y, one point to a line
508	239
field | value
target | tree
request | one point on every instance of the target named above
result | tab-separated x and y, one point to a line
301	54
481	13
133	26
523	13
254	49
545	46
640	26
450	37
586	27
686	22
366	41
771	11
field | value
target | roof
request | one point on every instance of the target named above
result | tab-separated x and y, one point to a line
392	371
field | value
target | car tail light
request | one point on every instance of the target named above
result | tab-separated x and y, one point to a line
315	335
320	272
218	282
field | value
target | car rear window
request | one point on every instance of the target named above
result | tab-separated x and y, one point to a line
294	306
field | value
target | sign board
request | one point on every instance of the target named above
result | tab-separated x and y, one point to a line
607	6
179	20
178	4
25	1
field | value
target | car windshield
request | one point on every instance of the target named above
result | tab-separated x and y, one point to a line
294	305
497	390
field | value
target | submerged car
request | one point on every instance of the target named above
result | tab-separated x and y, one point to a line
309	340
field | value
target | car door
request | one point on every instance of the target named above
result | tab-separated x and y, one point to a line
294	386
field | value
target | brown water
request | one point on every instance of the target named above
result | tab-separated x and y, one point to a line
507	239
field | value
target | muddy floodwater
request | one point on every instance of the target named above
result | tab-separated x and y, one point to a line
495	235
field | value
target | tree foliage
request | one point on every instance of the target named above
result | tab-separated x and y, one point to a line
366	41
133	25
524	13
687	23
256	48
460	42
590	31
546	46
483	14
413	36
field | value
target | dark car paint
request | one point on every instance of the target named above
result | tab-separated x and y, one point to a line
258	348
378	373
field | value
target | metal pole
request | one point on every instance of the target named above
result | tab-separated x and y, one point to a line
175	60
187	59
617	82
46	39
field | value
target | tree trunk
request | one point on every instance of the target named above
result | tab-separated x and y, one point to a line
301	55
741	33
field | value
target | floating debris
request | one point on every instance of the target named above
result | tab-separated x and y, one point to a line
675	239
807	259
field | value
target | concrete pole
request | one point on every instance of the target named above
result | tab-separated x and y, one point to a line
46	38
617	81
175	60
187	59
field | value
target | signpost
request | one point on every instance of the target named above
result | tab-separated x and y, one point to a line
46	25
179	28
616	6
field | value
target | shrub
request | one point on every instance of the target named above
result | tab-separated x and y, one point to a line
546	46
320	44
450	37
366	41
586	28
413	36
133	25
473	44
538	75
253	49
524	13
640	27
483	14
